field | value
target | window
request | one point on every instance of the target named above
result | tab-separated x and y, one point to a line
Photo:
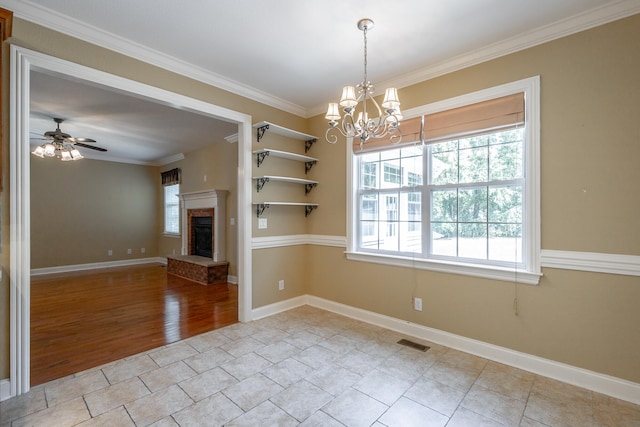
171	209
461	195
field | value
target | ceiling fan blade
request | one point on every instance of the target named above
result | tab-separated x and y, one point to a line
93	147
76	140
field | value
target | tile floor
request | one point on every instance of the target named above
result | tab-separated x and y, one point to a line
310	367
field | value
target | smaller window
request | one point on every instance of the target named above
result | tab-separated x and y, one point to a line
171	209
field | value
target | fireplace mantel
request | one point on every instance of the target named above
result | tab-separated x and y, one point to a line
206	199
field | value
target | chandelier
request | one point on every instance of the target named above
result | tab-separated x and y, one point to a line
61	150
357	99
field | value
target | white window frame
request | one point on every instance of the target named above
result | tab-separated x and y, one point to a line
530	273
165	204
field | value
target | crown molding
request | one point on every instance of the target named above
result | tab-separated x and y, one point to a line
37	14
590	19
56	21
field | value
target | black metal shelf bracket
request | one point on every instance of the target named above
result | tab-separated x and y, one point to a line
260	208
309	187
260	131
261	157
308	166
308	209
260	182
308	143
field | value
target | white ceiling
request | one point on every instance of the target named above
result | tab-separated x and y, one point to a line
294	54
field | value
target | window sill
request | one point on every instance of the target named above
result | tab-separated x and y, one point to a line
483	271
174	235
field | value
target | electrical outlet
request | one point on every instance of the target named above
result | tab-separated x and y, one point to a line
142	250
205	178
262	222
281	284
129	251
417	304
232	221
109	252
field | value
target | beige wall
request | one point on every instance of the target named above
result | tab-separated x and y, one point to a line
590	105
81	210
218	163
589	140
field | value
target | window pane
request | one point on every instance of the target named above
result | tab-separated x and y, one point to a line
443	164
392	174
472	241
505	242
444	239
472	205
505	161
505	204
444	205
411	222
474	164
171	209
369	175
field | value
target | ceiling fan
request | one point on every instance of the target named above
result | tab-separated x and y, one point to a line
62	145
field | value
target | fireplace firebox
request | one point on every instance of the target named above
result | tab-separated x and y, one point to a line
201	236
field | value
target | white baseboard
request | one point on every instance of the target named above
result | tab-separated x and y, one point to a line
95	265
5	389
232	279
605	384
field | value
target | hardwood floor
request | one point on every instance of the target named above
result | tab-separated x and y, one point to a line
85	319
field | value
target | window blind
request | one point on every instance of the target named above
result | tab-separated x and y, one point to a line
171	177
411	134
492	115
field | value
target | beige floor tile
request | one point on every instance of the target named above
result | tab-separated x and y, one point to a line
270	335
452	376
506	380
359	362
238	330
354	408
208	341
111	397
173	353
316	356
167	376
22	405
382	386
278	351
464	417
207	383
403	366
288	372
559	411
208	360
128	368
407	413
613	412
303	339
266	414
301	400
115	417
72	387
333	379
215	410
465	361
339	344
320	419
246	365
165	422
67	413
242	346
158	405
251	392
437	396
494	405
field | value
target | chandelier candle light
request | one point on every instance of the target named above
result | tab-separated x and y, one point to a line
386	124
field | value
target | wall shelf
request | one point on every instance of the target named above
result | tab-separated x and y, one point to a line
261	206
264	152
262	127
262	180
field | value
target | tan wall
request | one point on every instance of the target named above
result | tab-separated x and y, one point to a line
218	163
80	210
590	129
590	105
41	39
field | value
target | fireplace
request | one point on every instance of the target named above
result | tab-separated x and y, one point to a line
201	236
198	205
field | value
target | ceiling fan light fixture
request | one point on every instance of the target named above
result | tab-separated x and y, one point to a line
65	156
75	154
38	151
49	150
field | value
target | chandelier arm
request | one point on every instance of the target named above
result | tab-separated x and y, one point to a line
332	139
